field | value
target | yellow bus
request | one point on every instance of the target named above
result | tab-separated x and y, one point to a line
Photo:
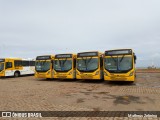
65	66
119	65
16	67
89	65
44	66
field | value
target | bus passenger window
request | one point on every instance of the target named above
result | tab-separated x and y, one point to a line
18	63
8	65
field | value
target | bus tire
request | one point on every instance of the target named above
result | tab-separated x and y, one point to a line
16	74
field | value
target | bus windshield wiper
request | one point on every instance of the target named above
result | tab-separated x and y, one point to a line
115	61
44	62
113	58
121	58
63	62
85	62
60	63
88	62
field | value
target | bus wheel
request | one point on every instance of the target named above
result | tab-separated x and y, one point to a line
16	74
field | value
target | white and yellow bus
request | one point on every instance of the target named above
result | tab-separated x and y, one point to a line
44	66
89	65
16	67
65	66
119	65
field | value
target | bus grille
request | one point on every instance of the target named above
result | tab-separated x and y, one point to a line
86	76
61	76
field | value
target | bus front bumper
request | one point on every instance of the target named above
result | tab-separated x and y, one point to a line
42	75
63	76
88	77
119	78
2	74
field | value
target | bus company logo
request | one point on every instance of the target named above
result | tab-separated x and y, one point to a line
6	114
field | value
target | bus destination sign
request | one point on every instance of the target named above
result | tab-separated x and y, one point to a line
43	58
63	56
2	60
87	54
119	52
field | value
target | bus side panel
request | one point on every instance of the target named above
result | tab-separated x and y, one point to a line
26	70
9	72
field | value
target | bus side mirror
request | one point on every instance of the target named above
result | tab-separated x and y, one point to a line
6	66
52	63
135	58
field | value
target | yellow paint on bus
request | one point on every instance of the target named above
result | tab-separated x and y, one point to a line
89	65
16	67
65	66
44	66
119	65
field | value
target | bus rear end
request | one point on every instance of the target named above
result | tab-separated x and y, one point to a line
89	66
119	65
2	67
44	66
64	66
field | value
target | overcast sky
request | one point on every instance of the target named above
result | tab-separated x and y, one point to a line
29	28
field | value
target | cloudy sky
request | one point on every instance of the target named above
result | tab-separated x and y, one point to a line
29	28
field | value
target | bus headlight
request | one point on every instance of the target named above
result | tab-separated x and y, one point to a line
70	73
131	74
2	72
48	72
77	73
97	73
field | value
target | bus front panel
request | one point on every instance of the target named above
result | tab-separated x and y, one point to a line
89	68
64	68
119	67
43	69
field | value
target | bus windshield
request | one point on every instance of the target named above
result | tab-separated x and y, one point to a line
118	64
42	66
87	64
1	66
62	65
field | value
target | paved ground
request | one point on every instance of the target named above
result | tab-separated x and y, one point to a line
31	94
